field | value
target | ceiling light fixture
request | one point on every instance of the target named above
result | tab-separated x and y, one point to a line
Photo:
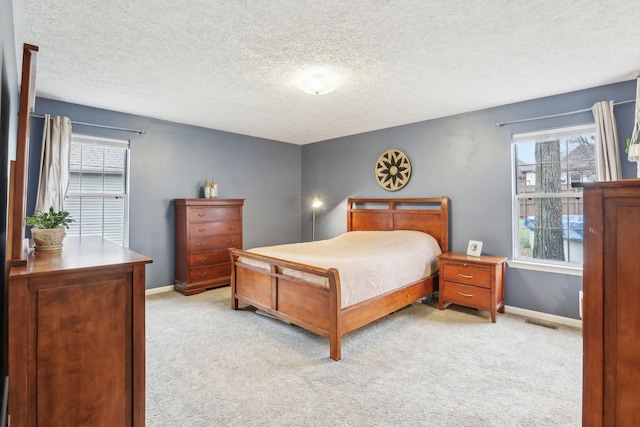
317	84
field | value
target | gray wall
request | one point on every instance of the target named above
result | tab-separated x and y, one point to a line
171	161
468	158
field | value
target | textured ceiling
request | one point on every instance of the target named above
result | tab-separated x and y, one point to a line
233	64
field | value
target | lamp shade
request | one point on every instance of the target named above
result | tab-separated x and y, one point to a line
316	202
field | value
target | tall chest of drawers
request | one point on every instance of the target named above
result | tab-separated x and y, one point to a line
205	230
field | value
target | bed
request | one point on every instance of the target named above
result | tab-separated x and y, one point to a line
311	296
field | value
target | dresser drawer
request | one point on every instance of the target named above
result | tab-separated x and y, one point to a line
203	259
211	243
214	214
210	273
472	274
471	296
206	229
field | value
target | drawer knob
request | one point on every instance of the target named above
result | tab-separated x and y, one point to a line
231	227
465	295
465	276
230	241
201	260
200	215
201	243
202	275
202	229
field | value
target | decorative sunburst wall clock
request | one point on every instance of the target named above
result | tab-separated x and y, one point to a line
393	170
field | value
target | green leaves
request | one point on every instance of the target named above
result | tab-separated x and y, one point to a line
50	219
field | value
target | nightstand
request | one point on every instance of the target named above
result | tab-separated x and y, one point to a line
476	282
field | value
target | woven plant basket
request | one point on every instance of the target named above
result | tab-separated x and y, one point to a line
48	239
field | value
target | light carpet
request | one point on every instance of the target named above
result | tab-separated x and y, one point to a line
208	365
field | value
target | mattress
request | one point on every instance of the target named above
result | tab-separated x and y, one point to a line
370	263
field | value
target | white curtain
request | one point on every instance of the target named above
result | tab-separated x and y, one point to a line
54	163
607	141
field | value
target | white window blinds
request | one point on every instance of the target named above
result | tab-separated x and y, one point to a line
98	188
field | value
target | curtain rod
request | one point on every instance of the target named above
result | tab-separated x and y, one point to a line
139	132
500	124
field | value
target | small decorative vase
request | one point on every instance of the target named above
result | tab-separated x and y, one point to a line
214	191
207	192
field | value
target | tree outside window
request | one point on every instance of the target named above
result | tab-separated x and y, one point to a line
549	216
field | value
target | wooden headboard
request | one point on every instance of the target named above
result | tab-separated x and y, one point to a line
429	215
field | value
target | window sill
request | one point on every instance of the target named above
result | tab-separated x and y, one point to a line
548	268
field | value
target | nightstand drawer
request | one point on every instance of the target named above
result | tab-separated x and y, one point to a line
476	282
471	296
466	273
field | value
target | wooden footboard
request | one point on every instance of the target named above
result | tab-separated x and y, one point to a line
310	305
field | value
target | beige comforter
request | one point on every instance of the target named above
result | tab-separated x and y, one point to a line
370	263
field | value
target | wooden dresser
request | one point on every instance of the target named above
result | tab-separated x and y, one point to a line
611	311
76	336
476	282
205	230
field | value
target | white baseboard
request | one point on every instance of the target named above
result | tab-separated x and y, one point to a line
159	290
566	321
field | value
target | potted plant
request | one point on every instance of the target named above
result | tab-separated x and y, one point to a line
48	228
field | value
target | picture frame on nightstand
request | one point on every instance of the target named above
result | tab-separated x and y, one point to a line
474	248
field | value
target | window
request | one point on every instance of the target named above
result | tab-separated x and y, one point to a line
98	188
548	214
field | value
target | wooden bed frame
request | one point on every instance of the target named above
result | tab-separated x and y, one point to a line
316	307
